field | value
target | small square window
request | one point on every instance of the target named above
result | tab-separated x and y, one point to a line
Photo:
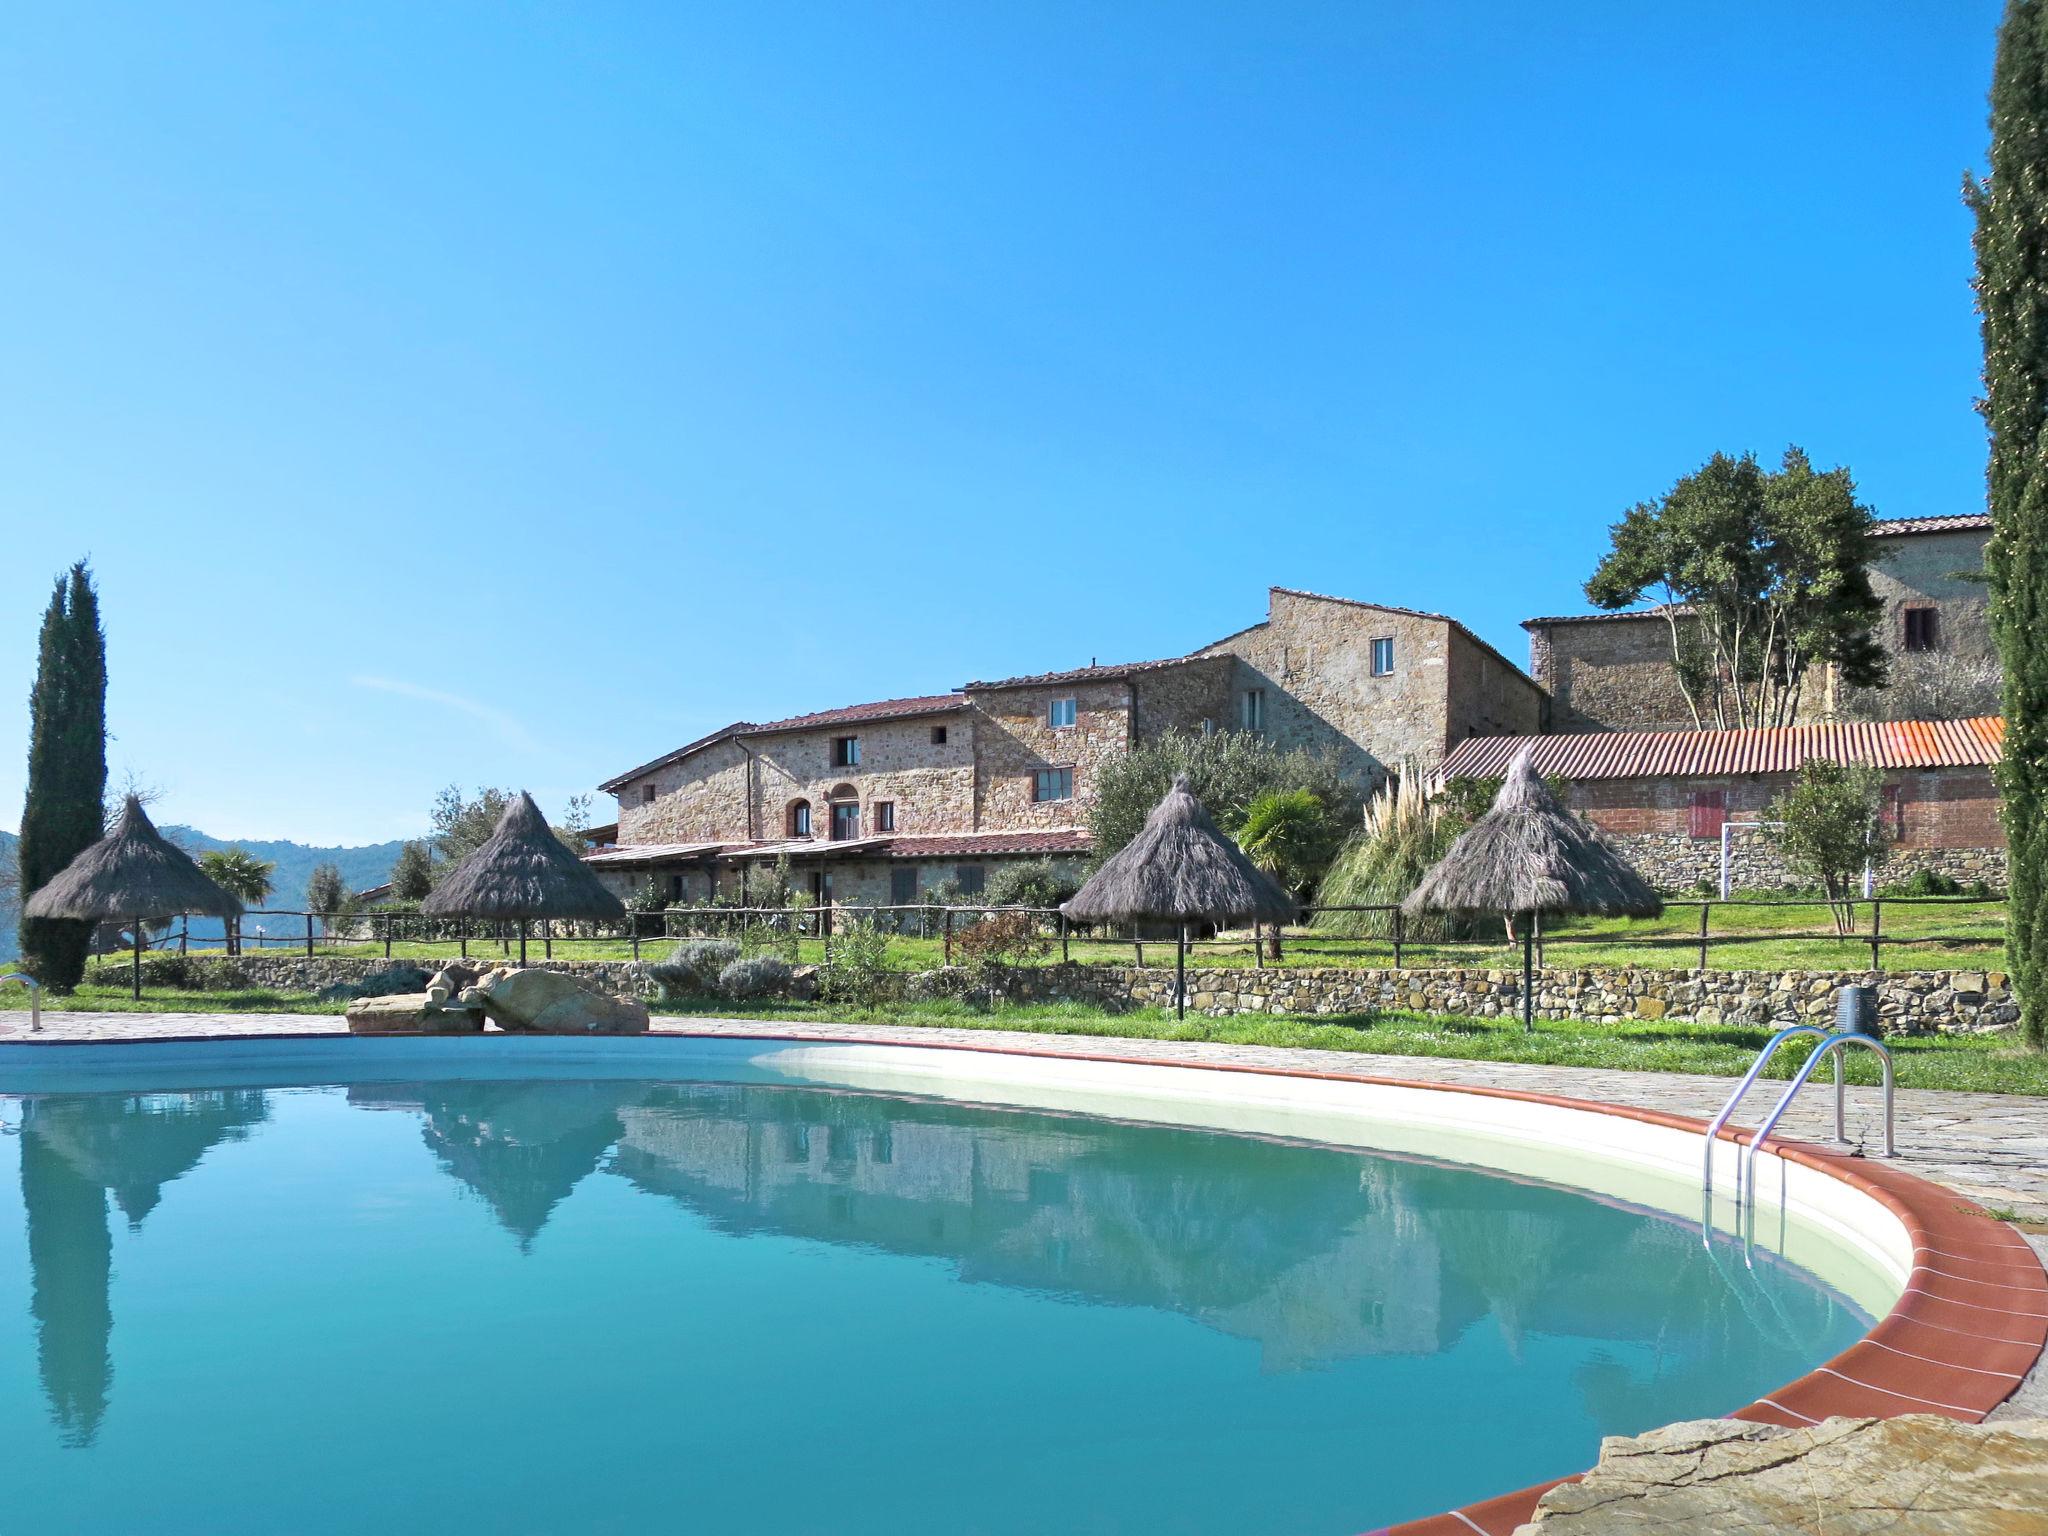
1383	656
938	735
647	794
885	815
1923	629
1052	784
845	751
1060	714
1251	709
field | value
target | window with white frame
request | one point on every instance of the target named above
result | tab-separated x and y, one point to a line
1383	656
845	751
1060	714
1251	709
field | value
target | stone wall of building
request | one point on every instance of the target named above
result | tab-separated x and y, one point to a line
1607	673
1312	660
703	798
1014	738
1192	696
930	784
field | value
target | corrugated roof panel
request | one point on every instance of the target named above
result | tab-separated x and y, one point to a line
1778	749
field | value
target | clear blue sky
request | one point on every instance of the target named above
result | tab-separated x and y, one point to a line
508	393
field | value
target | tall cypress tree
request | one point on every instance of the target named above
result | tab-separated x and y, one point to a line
67	770
2012	299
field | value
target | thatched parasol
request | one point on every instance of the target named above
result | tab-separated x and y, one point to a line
1529	856
520	873
132	875
1180	869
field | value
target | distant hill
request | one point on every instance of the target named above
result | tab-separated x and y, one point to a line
360	869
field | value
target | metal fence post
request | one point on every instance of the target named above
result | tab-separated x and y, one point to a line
1400	934
387	936
1704	907
948	924
462	935
309	933
1064	957
547	938
1876	932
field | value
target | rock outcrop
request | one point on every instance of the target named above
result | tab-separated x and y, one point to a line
411	1013
535	1002
1921	1475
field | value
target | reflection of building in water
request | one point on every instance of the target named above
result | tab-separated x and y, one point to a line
522	1146
74	1151
1313	1253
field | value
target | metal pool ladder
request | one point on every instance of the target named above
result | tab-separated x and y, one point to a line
1832	1043
35	996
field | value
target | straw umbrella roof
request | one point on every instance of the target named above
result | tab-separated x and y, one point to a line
522	871
133	872
1180	868
1529	854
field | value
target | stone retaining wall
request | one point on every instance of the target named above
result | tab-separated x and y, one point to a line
1908	1001
1672	861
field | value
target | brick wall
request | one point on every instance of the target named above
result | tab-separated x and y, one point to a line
1948	821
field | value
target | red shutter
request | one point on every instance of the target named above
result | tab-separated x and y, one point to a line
1706	811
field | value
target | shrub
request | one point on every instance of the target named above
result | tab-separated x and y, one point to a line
693	967
1830	824
1003	938
1030	883
1404	831
1926	882
1227	770
1291	835
859	964
757	976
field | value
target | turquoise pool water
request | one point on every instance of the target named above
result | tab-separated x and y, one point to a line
733	1305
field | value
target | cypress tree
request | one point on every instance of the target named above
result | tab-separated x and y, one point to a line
67	770
2012	301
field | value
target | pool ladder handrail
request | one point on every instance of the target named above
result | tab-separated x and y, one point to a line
35	996
1831	1046
1756	1070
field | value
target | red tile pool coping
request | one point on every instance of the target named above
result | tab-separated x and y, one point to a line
1972	1322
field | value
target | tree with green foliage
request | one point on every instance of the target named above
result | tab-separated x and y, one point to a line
1290	834
67	771
1762	576
1227	770
1828	827
464	823
327	895
240	873
1038	883
412	875
2011	206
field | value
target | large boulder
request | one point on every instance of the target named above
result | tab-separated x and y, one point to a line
411	1013
1920	1475
535	1002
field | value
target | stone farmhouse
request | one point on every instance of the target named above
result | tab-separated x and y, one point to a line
873	803
1612	671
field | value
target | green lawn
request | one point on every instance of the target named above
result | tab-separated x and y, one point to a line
1945	935
1975	1063
1978	1063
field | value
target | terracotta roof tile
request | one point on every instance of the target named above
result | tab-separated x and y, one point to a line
1958	522
1688	754
1083	674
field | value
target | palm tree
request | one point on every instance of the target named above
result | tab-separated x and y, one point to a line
241	873
1288	834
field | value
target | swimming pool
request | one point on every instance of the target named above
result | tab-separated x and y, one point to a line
601	1286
